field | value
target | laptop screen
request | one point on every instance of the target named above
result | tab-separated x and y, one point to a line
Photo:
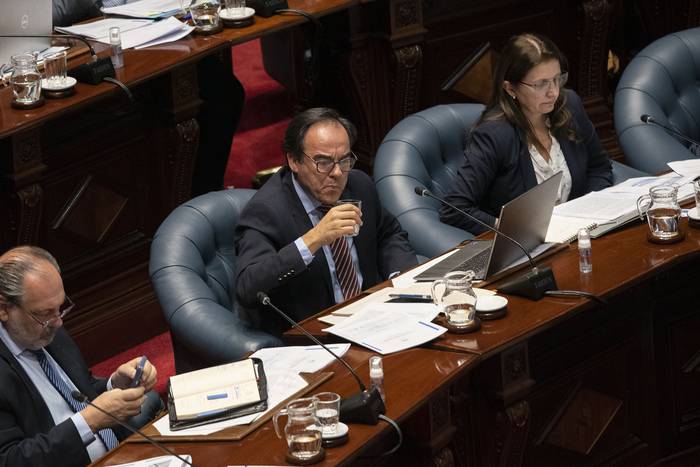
24	17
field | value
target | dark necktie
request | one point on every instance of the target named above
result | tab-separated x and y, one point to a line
106	435
344	268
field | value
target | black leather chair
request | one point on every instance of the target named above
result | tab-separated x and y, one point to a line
192	267
427	149
662	81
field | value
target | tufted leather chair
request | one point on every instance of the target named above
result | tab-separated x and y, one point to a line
662	81
192	267
427	149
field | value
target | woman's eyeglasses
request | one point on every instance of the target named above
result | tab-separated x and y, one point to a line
543	85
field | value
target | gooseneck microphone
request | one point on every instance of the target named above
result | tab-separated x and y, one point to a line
364	407
80	397
646	118
92	72
533	284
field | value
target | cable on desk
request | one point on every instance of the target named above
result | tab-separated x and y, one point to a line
576	293
398	443
313	73
123	86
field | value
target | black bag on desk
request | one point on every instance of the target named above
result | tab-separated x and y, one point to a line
220	415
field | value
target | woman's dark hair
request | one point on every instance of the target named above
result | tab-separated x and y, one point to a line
520	54
296	131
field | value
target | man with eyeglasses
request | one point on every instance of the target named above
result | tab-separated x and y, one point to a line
297	244
41	424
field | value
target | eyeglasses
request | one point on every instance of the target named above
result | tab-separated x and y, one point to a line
326	165
543	85
65	308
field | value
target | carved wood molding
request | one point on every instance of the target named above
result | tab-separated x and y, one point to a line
409	62
406	18
512	428
27	215
594	28
26	157
181	160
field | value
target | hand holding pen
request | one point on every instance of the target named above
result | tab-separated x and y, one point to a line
136	372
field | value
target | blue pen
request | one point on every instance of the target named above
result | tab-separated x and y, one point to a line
139	372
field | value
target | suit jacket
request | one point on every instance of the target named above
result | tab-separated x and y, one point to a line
28	435
269	261
497	167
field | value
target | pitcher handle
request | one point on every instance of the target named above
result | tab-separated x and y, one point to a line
640	200
434	286
274	421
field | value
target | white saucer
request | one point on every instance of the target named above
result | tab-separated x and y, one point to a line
70	82
224	14
489	303
693	214
340	431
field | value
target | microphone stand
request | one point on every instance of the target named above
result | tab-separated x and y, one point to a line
532	285
646	118
365	407
80	397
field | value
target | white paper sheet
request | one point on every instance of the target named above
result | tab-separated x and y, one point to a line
686	168
161	461
386	332
146	9
99	30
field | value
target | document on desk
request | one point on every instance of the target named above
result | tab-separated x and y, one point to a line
161	461
386	331
151	9
99	30
686	168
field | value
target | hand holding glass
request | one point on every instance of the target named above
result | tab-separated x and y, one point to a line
358	204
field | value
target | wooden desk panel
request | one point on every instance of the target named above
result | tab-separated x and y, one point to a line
415	379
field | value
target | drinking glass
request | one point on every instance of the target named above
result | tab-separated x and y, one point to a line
358	204
236	8
56	69
328	412
205	16
25	79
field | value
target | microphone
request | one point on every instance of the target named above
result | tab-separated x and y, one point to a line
646	118
80	397
533	284
364	407
92	72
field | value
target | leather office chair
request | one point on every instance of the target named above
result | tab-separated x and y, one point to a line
427	149
192	267
662	81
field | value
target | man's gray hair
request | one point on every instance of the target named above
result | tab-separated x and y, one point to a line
15	264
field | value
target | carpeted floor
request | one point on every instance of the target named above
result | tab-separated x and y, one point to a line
256	146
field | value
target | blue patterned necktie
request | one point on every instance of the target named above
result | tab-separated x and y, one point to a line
110	3
106	435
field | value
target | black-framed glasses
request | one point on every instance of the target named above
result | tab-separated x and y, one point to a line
65	308
543	85
325	164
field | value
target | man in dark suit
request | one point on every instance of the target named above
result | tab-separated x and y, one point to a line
40	365
297	244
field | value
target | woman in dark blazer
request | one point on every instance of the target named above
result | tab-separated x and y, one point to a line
531	129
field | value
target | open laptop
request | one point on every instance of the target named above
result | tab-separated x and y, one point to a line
24	17
525	219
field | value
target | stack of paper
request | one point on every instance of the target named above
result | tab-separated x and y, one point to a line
138	33
151	9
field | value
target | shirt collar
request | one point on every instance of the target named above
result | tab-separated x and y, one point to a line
9	342
309	202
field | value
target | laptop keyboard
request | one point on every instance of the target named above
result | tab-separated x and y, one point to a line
476	263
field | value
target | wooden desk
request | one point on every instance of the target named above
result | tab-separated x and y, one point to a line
418	385
90	178
567	381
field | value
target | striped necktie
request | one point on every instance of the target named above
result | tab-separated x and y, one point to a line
111	3
344	267
106	435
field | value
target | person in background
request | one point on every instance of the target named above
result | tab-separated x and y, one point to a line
296	244
531	129
221	92
41	423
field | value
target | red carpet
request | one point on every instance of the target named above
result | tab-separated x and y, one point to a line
256	146
267	111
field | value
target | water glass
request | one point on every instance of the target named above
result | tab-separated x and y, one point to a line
25	79
457	301
696	187
205	16
358	204
236	8
302	430
56	69
663	213
328	412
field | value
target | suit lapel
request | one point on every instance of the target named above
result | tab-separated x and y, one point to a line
525	162
302	224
